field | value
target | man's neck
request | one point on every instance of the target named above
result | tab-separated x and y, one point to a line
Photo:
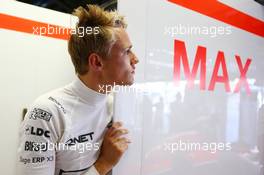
94	83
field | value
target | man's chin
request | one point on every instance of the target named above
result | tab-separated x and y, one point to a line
126	83
130	83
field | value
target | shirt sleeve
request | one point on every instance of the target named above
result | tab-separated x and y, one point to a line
39	133
92	171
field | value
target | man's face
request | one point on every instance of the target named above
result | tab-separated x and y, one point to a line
119	67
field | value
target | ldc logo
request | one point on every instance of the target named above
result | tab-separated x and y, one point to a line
31	130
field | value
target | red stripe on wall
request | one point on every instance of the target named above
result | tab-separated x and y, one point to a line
33	27
224	13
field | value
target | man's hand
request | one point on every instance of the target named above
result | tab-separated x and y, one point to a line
113	147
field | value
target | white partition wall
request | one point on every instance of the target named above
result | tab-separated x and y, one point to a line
199	108
30	65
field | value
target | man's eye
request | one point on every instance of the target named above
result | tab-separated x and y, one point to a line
128	51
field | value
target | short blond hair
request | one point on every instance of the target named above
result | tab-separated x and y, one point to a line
100	43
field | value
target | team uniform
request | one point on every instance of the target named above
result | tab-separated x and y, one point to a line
62	132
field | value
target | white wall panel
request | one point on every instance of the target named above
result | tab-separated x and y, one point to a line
177	115
30	66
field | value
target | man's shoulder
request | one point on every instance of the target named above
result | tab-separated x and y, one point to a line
55	100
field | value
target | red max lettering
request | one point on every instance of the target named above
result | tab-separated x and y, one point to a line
200	59
243	71
180	56
220	61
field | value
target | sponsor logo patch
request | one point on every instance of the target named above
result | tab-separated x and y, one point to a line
31	130
80	139
41	114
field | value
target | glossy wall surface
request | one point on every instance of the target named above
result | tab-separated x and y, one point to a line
197	105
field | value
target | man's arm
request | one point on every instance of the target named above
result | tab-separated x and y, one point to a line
38	135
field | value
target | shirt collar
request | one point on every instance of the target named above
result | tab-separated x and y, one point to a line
90	96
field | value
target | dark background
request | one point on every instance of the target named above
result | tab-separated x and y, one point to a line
67	6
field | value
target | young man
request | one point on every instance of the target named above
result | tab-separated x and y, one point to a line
65	131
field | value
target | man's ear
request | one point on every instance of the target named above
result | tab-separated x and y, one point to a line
95	62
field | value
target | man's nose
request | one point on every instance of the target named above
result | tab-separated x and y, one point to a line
134	59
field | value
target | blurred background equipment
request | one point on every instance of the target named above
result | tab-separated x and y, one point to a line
260	1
